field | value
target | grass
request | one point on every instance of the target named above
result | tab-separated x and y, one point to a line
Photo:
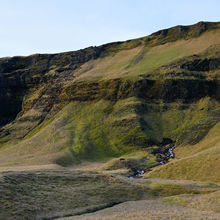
171	189
184	123
172	199
132	62
80	131
24	195
207	202
101	130
213	199
71	192
151	209
137	160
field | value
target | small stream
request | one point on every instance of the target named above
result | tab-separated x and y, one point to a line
137	174
169	155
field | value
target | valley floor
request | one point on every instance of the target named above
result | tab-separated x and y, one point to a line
147	209
89	192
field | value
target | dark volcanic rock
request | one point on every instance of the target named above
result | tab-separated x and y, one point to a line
202	64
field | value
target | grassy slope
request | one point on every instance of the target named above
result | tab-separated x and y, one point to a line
82	130
105	129
196	162
144	59
53	194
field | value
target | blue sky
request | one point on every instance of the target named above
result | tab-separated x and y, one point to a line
50	26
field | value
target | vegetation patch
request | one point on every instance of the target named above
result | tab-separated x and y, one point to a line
24	195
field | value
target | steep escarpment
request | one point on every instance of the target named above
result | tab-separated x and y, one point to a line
46	101
167	90
111	100
19	75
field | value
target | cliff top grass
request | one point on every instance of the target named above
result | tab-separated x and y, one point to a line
145	59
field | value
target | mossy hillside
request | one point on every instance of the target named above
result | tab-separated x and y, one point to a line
84	131
211	139
20	77
100	130
180	32
42	105
184	123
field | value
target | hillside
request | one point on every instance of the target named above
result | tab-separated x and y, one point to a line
137	97
198	162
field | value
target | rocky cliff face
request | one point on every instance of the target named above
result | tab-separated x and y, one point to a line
20	76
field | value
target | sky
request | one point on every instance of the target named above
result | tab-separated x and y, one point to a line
52	26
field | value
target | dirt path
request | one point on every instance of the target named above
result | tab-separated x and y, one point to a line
147	209
30	168
82	167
